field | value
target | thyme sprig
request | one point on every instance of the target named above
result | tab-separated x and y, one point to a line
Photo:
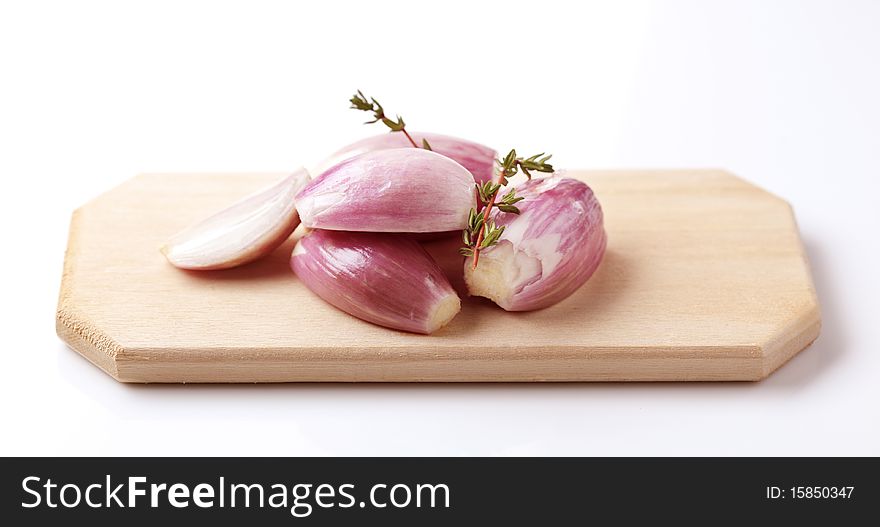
360	102
481	232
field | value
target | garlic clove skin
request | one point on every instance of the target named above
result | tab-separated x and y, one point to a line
246	231
546	252
478	159
385	279
395	190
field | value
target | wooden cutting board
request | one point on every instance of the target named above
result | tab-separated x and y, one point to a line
705	278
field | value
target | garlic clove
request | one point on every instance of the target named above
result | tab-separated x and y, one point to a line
546	252
385	279
478	159
395	190
247	230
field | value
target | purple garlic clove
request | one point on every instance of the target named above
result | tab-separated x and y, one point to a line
247	230
478	159
385	279
546	252
396	190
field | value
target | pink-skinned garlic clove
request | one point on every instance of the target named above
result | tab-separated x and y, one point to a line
546	252
478	159
395	190
386	279
245	231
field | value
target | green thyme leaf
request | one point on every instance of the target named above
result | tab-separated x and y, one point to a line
508	208
487	191
492	235
359	102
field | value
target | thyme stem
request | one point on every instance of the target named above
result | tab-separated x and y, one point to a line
409	137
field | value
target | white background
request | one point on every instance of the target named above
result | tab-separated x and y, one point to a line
782	93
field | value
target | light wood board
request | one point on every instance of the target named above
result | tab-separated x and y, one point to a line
705	278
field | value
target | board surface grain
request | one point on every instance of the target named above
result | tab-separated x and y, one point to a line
704	278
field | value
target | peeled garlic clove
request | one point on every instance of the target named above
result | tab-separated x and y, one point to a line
385	279
249	229
396	190
546	252
478	159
